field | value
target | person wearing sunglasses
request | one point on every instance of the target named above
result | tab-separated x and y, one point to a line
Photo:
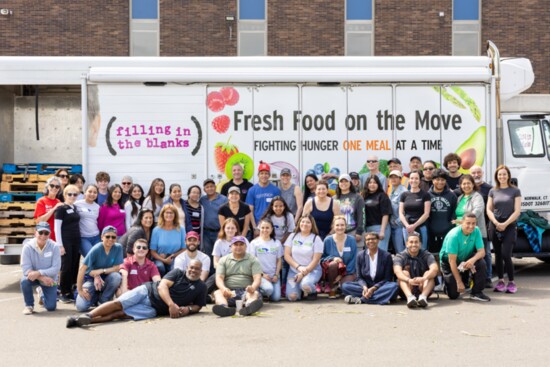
67	226
40	262
126	185
178	294
426	182
137	268
98	276
373	164
46	205
64	176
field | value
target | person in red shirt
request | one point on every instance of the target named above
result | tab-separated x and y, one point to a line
137	268
46	205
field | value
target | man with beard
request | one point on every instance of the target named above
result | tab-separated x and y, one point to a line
178	294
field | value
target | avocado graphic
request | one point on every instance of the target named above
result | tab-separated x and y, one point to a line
472	151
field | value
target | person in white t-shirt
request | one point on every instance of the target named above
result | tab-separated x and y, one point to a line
303	251
182	261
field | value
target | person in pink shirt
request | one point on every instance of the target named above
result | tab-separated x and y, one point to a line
111	213
137	268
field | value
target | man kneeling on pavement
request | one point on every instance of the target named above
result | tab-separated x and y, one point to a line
238	277
415	270
463	254
178	294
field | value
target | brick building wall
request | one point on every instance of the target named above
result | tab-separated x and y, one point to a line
65	28
299	27
411	27
305	27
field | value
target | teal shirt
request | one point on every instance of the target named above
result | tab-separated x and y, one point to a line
456	243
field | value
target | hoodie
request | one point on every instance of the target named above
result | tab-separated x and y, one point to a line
47	262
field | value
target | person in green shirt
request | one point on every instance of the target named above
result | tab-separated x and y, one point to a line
238	278
462	254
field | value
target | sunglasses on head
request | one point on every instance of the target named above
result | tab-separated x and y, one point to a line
110	237
43	233
139	247
74	194
52	186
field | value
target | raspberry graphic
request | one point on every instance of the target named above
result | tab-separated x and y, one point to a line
221	123
230	95
215	101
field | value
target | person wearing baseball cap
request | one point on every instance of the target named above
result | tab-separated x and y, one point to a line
356	181
182	261
395	190
394	165
237	210
40	262
260	195
238	277
98	277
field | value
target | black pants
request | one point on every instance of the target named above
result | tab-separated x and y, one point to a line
69	264
479	278
503	244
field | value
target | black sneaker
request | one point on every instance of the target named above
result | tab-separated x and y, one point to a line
83	320
479	297
71	322
254	306
65	298
223	310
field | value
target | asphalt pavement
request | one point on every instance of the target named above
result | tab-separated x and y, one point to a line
511	330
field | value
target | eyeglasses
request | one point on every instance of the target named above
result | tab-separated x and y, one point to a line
138	247
110	237
126	183
63	176
429	169
43	233
73	194
370	161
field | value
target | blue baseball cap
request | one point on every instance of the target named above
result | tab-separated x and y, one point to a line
43	226
107	230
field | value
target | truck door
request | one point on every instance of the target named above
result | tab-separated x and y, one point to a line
527	154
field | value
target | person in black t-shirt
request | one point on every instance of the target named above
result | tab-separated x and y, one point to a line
178	294
414	209
237	180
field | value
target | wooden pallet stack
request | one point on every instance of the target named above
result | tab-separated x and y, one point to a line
22	185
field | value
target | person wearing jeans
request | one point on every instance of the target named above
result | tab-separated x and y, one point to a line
40	262
98	276
462	255
303	251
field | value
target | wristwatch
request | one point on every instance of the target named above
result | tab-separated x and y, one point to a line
190	309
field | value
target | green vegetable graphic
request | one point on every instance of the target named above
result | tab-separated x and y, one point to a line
469	102
443	91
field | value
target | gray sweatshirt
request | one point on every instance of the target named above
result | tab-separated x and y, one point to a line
47	262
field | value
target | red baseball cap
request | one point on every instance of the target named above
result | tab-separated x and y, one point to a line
264	167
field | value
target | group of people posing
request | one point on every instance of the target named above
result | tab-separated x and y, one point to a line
160	254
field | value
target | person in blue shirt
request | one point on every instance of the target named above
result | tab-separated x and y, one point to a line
260	195
98	276
211	203
339	257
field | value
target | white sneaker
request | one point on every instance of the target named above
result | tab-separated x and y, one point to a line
28	310
439	288
40	295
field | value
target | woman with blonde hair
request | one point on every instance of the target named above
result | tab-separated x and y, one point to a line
167	239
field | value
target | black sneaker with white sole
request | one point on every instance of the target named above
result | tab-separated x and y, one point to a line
83	320
254	306
223	310
481	297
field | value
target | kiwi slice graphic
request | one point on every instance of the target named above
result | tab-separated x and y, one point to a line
245	161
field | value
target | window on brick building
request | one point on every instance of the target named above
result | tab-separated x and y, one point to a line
144	28
252	27
359	28
466	27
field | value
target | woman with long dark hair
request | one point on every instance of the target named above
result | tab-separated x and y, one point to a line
142	228
111	213
377	210
155	197
503	209
133	204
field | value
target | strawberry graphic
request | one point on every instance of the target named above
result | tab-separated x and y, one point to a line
222	152
221	123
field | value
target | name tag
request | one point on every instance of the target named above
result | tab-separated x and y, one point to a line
195	214
48	254
133	272
122	211
70	211
347	249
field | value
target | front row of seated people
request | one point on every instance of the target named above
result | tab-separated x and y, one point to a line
250	272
